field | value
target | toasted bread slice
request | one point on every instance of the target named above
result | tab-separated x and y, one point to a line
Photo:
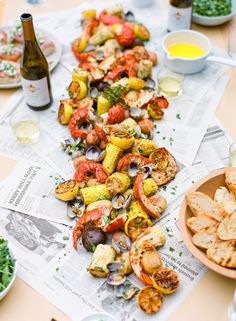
205	238
227	228
201	204
223	253
226	199
199	223
230	178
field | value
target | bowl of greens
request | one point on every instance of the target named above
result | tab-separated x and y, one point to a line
213	12
8	268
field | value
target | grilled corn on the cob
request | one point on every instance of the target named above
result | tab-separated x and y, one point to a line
103	255
143	146
149	187
111	158
118	183
94	193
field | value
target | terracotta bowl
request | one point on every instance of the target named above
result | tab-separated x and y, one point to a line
207	185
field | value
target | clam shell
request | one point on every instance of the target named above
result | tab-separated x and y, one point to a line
125	290
150	83
115	279
132	169
114	266
93	152
118	201
121	242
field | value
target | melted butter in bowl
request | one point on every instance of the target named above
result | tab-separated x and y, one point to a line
185	50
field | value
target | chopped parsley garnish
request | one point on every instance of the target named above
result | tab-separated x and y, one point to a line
178	116
114	95
93	247
171	249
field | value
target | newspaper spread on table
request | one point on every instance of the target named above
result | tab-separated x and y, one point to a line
30	214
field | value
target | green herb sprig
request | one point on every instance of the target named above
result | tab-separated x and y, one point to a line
7	265
114	95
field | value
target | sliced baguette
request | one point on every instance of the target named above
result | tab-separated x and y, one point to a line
230	178
201	204
223	253
227	228
199	223
226	199
205	238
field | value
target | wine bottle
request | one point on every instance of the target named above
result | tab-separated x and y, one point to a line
34	69
179	14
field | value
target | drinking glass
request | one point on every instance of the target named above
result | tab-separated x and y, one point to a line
232	155
25	126
169	83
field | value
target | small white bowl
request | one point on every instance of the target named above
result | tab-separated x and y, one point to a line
214	21
7	289
190	65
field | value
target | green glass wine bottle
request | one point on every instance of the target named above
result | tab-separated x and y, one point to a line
34	69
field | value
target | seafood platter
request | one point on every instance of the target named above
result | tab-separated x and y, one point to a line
110	111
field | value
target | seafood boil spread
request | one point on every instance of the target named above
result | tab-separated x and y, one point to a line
11	47
110	113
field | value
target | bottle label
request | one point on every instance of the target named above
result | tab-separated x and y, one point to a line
179	18
36	92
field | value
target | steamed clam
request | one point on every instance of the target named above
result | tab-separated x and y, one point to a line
121	242
116	279
94	153
125	290
75	208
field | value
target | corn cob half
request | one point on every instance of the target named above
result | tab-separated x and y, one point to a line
118	183
143	146
111	158
150	187
94	193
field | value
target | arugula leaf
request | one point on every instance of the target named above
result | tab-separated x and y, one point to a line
6	265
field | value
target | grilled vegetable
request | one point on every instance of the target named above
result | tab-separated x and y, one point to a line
137	222
141	32
67	190
122	142
91	237
101	35
144	69
136	83
149	187
94	193
103	255
118	183
165	280
65	112
110	160
150	300
80	74
143	146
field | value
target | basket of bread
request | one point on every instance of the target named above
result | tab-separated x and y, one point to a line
208	221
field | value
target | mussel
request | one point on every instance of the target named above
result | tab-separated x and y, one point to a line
125	290
94	153
120	242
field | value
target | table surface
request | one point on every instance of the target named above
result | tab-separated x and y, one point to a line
210	298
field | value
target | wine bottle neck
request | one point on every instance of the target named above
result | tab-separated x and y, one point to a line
28	27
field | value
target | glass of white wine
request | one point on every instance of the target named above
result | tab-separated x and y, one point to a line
25	125
169	83
232	155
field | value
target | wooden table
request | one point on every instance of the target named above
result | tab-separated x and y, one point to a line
210	298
